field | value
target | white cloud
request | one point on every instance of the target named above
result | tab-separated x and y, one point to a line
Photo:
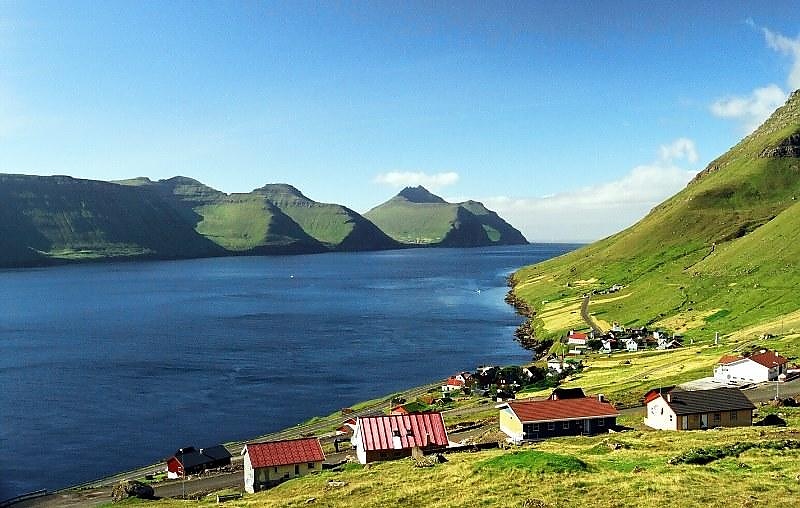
594	212
411	178
787	46
751	110
681	148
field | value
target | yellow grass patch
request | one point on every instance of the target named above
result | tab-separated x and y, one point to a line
586	282
602	323
608	300
624	377
686	320
560	317
787	324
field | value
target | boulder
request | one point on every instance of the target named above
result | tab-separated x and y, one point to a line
131	488
771	420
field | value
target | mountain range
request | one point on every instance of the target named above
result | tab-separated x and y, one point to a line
47	219
718	256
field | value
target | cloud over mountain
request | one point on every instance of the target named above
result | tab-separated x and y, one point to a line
399	179
752	109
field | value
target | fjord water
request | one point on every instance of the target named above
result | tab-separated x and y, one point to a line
106	367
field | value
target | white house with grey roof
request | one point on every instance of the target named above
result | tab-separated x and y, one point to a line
671	408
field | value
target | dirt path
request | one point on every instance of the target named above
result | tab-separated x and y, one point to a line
587	318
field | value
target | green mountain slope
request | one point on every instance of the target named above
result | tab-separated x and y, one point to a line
335	226
417	217
62	218
240	223
717	256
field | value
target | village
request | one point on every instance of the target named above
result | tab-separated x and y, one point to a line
415	428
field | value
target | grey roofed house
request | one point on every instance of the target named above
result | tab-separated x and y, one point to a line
707	401
676	409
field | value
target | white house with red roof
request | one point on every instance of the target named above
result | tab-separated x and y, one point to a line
531	420
268	463
453	384
577	338
764	365
396	436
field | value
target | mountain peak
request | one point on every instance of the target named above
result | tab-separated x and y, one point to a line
419	194
280	191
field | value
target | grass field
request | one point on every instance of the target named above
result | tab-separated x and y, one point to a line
616	470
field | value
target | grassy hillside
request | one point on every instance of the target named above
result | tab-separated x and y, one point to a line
746	467
240	223
335	226
714	257
61	218
417	217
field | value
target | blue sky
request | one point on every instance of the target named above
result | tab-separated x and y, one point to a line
571	119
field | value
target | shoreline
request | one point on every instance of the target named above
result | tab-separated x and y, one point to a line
314	422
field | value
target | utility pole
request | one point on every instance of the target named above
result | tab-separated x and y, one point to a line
183	476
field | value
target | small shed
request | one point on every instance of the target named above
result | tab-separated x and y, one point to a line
191	460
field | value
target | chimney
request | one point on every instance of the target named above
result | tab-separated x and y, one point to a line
669	397
600	397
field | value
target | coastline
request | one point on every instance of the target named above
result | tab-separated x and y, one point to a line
501	352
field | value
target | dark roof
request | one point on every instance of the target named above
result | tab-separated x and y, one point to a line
192	458
707	401
279	453
567	393
556	410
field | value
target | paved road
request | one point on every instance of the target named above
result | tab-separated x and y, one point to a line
207	484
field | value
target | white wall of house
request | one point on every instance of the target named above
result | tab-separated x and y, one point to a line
356	441
660	415
511	425
745	370
249	474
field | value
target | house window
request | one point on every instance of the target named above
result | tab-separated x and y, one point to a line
297	469
310	465
670	417
565	425
551	426
536	427
275	469
734	416
717	417
601	422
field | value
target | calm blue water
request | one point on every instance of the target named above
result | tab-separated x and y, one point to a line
107	367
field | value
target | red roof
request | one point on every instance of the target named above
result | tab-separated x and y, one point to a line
725	360
413	429
454	382
561	409
769	359
577	335
279	453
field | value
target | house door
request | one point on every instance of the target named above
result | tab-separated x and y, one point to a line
587	429
684	422
704	421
